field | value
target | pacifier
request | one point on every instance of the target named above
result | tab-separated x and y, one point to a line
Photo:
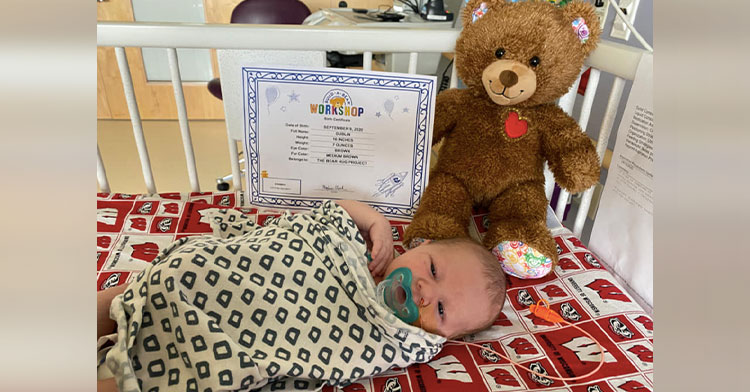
394	292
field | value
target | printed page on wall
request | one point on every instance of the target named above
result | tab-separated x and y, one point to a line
315	134
623	230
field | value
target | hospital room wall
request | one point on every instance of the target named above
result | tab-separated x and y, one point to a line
154	95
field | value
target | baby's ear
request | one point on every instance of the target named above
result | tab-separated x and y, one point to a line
582	20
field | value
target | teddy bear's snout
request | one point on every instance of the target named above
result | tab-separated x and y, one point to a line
508	82
508	78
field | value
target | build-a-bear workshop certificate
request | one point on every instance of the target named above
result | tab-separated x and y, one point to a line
314	134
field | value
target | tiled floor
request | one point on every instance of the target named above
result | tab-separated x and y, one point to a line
164	143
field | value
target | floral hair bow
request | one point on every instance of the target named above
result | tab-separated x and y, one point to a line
479	12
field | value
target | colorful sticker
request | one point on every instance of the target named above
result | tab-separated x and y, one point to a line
521	260
581	29
415	242
479	12
559	3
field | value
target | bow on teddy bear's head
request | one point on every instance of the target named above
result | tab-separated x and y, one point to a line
524	53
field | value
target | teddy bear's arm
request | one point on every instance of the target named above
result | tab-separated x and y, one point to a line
446	113
571	155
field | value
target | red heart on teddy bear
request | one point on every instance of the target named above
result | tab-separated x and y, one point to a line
514	126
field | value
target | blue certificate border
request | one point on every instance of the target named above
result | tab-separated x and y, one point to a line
424	86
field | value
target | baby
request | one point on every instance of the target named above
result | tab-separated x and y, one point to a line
293	302
459	284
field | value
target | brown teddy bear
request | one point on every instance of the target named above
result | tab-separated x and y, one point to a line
516	59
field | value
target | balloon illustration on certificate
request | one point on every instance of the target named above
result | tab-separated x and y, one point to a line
316	134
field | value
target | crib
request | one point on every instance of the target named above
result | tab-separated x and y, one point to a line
616	317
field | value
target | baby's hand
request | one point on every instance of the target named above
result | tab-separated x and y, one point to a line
376	230
380	241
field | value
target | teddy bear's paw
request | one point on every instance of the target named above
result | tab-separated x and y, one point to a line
578	171
521	260
579	181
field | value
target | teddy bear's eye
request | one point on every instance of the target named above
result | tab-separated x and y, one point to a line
500	53
534	61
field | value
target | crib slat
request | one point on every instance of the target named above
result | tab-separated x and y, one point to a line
567	102
583	119
413	57
234	159
609	116
601	146
454	74
179	98
135	118
367	61
563	199
101	174
246	193
549	181
588	98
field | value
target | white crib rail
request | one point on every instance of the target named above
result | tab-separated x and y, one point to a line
601	146
612	58
566	103
367	61
101	174
273	37
135	118
179	98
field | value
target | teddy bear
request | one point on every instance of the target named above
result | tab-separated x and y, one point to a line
516	58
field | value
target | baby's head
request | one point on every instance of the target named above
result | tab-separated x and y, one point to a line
461	284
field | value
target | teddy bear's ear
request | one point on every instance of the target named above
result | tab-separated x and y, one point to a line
584	23
475	9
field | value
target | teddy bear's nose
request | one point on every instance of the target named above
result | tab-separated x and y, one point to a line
508	78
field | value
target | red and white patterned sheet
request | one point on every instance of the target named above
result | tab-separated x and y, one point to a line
132	229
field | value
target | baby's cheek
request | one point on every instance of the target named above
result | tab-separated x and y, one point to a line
426	323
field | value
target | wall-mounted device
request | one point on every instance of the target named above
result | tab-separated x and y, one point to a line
601	7
619	29
435	10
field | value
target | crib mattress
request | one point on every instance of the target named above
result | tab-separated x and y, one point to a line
132	229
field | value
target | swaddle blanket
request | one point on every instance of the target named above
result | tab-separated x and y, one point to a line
287	306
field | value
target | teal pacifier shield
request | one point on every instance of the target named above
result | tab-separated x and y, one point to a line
398	295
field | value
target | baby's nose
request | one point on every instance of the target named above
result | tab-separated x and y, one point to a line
422	293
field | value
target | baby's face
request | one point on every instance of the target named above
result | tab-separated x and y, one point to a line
451	283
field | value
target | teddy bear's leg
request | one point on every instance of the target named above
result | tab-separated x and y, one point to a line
518	233
444	211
